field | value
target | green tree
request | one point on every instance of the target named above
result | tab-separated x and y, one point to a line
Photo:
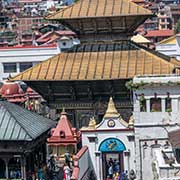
177	27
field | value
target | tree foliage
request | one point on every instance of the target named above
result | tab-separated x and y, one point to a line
177	27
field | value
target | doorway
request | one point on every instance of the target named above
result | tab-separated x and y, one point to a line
2	169
112	159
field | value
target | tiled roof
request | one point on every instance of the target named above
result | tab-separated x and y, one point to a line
159	33
99	61
100	8
17	123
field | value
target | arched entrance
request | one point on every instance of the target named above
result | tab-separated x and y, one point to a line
14	168
112	156
2	169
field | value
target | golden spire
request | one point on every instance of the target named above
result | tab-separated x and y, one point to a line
111	110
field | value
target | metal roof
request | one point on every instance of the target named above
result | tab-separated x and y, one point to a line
102	16
100	8
19	124
99	61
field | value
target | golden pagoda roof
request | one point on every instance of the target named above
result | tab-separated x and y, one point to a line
102	16
99	61
111	110
170	40
99	8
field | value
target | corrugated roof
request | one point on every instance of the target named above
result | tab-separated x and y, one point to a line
99	61
170	40
17	123
159	33
100	8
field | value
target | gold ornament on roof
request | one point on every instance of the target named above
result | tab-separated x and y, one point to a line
111	110
131	121
92	123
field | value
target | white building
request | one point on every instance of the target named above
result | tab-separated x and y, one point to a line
14	60
156	114
112	139
170	47
150	143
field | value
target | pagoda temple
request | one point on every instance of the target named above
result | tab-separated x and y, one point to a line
83	78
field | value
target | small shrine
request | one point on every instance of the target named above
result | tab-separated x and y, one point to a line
13	92
23	137
111	142
64	138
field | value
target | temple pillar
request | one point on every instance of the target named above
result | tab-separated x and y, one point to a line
163	104
6	161
126	155
148	108
98	165
23	167
7	171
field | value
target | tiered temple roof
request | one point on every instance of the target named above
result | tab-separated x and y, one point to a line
98	67
97	16
99	61
104	55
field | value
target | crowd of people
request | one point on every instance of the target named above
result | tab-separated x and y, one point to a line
114	171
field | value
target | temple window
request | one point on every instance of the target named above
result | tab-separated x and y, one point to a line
64	43
62	134
155	104
168	107
9	67
177	154
25	65
142	102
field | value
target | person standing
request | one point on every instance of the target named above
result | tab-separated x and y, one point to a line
40	173
67	171
110	171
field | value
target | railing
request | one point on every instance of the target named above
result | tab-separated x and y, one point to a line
81	164
169	173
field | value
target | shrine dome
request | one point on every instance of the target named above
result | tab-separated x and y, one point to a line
10	88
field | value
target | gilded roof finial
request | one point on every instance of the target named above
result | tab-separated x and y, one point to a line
63	112
131	121
92	123
111	110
